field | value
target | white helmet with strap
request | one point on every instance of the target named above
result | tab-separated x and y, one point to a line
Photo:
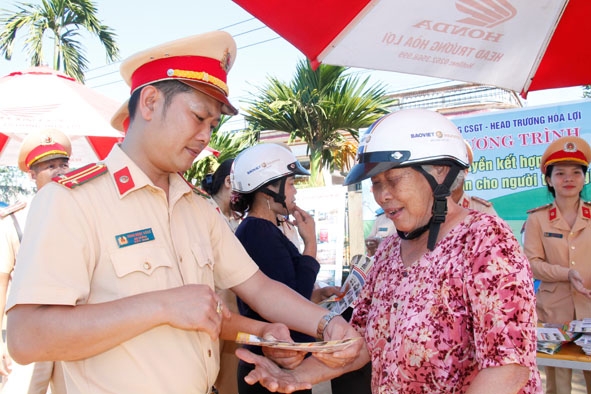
412	138
261	164
407	138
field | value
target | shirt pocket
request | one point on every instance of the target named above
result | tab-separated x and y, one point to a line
205	263
145	260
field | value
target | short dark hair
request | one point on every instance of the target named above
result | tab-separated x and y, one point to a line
169	89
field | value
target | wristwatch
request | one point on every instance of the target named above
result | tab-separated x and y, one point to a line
323	323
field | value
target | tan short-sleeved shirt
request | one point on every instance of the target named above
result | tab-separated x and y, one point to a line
382	227
115	236
476	203
553	247
9	242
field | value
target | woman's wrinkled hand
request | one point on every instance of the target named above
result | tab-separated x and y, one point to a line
270	375
338	328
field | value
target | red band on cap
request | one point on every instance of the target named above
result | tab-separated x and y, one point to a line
44	150
158	70
561	155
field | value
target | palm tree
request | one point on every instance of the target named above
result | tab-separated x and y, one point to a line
63	19
322	107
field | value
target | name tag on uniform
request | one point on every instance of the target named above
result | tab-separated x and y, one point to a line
552	235
134	237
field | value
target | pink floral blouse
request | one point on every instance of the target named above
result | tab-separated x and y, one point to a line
467	305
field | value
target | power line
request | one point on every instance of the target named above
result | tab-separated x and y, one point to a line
237	23
117	71
235	35
250	31
222	28
262	41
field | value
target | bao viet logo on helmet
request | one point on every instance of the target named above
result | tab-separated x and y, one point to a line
486	13
263	165
254	169
439	134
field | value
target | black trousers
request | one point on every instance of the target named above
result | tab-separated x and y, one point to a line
357	382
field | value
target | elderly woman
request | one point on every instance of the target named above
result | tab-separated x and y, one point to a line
448	306
557	242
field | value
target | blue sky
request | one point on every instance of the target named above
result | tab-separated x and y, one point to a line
261	52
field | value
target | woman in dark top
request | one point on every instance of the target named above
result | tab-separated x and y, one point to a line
263	182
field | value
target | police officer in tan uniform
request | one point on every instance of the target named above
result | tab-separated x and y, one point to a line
557	242
467	201
43	155
477	203
382	226
124	292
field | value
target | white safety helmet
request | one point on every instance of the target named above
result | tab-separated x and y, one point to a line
410	137
261	164
413	138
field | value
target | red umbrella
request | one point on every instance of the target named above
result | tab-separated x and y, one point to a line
521	45
40	98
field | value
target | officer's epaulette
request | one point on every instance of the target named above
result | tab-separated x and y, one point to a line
196	189
9	210
200	192
539	208
481	201
81	175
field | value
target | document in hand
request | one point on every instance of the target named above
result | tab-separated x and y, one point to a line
315	347
354	282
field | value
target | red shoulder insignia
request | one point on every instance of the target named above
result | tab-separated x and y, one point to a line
586	211
465	203
81	175
552	213
539	208
481	201
17	206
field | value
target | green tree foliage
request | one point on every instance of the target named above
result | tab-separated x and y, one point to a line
322	107
14	184
62	19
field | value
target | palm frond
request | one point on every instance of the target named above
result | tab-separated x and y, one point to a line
318	106
64	19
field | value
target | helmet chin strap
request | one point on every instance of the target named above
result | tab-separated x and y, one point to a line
280	196
439	210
